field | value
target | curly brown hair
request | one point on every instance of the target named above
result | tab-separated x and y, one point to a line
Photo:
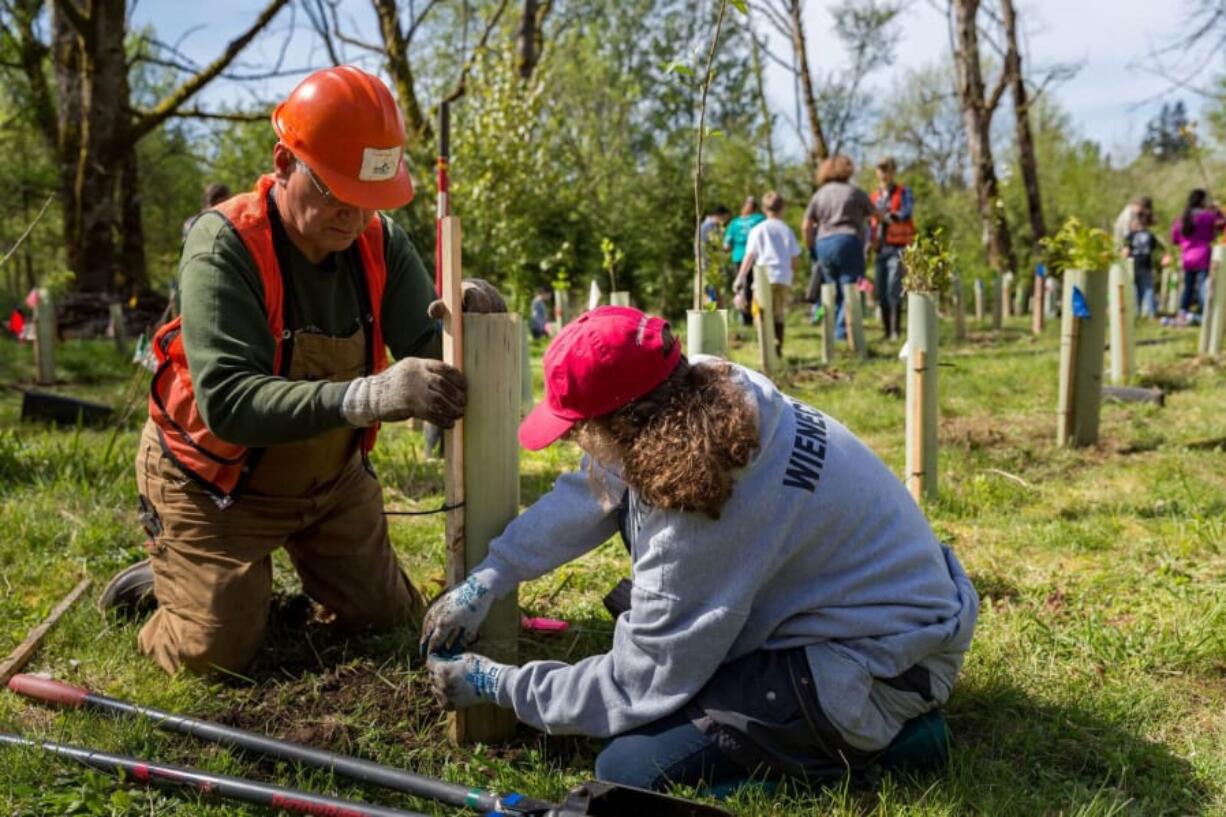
679	445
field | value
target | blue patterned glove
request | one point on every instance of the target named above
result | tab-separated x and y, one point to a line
465	679
453	619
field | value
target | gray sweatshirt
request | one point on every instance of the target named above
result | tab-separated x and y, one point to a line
819	546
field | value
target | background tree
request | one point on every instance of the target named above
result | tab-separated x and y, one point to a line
1166	135
978	107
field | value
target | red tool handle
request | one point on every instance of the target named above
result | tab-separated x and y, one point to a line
46	689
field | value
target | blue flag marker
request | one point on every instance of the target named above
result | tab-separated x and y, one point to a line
1040	270
1080	308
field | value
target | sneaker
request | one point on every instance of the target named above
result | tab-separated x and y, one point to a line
129	593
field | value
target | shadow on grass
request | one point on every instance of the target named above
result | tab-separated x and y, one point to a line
1061	753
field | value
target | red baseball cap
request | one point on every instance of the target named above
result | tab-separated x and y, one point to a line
601	361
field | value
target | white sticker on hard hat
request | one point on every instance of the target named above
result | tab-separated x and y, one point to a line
379	165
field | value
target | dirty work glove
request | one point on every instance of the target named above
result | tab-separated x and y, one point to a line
478	296
466	679
452	621
412	387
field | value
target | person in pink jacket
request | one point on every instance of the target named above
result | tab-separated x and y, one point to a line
1194	232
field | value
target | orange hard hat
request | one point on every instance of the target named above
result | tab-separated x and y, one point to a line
345	125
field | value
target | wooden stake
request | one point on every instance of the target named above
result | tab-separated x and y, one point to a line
922	404
959	298
830	314
854	312
453	438
1006	292
1121	294
997	301
18	657
492	365
44	338
526	398
1216	316
764	320
561	306
1037	303
118	330
1081	359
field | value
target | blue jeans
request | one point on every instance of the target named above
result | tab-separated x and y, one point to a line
668	751
841	260
1147	303
889	275
1193	282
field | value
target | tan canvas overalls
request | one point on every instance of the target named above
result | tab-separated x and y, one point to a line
315	498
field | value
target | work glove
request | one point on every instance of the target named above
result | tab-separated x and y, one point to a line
453	619
477	296
412	387
466	679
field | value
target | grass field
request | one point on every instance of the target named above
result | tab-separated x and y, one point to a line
1096	684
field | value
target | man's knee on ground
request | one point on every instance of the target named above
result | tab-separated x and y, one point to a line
216	647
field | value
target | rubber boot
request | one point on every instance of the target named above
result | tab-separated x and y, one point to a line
896	322
885	322
129	593
779	339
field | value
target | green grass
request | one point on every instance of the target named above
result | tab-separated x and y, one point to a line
1096	684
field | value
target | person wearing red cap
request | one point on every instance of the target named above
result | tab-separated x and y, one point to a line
792	613
271	386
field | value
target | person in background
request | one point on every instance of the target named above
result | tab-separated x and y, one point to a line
1123	222
772	244
792	613
1194	233
893	230
214	194
710	241
538	320
836	226
735	237
1143	247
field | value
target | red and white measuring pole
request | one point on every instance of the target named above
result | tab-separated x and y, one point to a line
443	176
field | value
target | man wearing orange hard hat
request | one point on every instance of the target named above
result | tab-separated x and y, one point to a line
272	383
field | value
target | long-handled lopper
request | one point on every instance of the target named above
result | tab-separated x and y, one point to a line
209	784
593	799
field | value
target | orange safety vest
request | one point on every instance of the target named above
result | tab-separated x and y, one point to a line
897	233
220	467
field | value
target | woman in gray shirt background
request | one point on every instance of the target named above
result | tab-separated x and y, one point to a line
835	227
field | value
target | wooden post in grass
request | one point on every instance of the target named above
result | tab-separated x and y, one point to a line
853	316
526	398
922	404
119	332
1213	321
830	298
706	332
959	299
764	320
979	301
1038	302
44	338
1081	359
1121	293
561	306
999	300
619	297
481	501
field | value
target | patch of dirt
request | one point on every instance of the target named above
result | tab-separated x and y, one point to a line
892	387
972	433
332	710
816	374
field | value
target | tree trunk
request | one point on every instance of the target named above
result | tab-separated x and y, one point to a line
133	272
526	39
396	48
1025	139
977	111
819	150
763	109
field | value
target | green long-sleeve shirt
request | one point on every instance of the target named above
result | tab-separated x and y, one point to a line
230	350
